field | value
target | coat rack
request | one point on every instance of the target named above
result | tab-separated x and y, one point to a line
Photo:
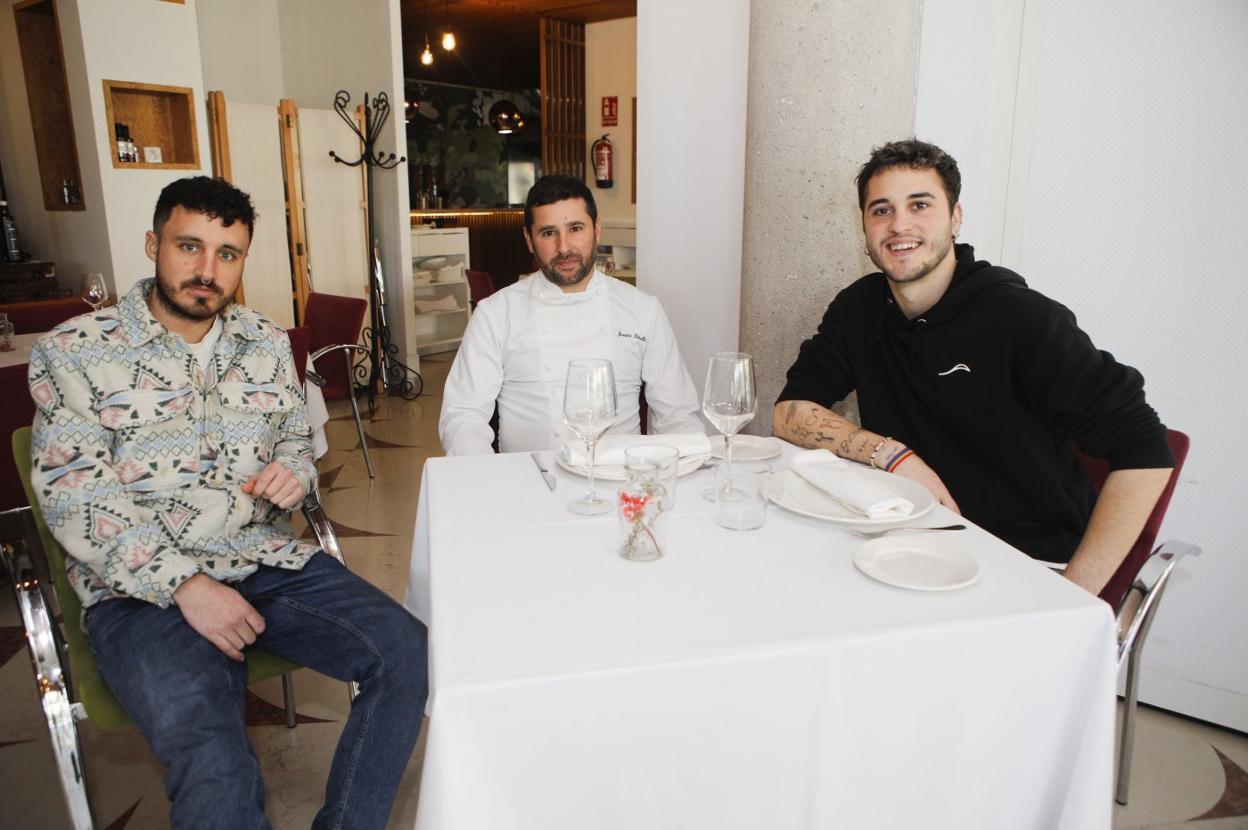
385	368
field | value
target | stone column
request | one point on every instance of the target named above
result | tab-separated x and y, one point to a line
829	80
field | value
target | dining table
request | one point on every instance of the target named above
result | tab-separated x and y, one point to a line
746	679
20	353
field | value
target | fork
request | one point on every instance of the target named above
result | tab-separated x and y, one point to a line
871	534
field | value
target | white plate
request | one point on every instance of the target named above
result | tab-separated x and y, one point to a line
615	472
747	447
792	492
917	563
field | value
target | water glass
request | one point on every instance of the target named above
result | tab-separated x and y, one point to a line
741	494
663	456
6	334
645	500
94	291
729	399
589	409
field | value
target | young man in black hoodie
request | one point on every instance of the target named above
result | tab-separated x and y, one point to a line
973	384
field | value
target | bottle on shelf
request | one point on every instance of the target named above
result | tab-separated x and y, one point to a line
123	150
12	250
134	148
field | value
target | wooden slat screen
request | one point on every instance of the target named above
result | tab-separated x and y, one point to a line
288	129
219	143
563	97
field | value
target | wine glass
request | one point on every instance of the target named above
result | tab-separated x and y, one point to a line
589	410
94	290
729	401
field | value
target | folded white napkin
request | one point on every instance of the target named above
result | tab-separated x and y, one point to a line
451	273
611	448
849	484
443	303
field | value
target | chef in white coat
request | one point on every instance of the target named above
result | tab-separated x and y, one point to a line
519	341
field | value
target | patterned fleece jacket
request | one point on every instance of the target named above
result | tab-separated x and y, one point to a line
140	455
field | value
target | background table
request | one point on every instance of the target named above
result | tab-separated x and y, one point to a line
21	352
747	680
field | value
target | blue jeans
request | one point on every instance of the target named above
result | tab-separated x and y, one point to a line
187	698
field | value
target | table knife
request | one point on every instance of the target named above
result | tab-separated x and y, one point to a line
546	476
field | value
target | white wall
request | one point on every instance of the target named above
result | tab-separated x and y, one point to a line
691	85
163	50
325	48
1123	189
611	69
965	104
241	45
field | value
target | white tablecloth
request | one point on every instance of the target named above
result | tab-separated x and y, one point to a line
318	415
747	680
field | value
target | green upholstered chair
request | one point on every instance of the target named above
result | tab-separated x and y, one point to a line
67	678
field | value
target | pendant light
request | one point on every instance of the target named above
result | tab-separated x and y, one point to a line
448	37
426	57
505	117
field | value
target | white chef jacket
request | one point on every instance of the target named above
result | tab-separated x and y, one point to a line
516	351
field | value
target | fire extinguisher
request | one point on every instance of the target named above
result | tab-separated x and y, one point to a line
604	162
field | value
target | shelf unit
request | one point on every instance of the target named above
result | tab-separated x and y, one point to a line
618	242
439	258
158	116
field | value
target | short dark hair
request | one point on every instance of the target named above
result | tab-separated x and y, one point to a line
917	155
555	188
213	197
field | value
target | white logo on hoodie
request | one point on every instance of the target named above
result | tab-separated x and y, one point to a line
961	367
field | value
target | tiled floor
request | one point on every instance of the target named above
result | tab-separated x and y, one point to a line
1186	774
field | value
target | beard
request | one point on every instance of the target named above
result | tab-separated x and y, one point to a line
191	307
917	271
548	270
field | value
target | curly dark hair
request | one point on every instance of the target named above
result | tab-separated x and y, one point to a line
917	155
216	198
555	188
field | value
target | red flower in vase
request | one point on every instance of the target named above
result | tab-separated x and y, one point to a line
633	507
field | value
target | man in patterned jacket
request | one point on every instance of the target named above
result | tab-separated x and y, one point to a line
170	442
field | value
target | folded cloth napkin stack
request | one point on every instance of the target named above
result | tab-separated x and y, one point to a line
861	490
611	448
444	303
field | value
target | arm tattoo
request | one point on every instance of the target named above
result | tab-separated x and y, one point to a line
845	445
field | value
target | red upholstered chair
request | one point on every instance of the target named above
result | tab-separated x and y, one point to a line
1135	590
18	411
335	323
300	347
480	286
34	317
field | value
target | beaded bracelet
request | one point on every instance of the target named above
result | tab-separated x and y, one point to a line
876	451
895	461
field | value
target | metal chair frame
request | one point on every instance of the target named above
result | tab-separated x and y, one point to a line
1134	618
346	349
23	554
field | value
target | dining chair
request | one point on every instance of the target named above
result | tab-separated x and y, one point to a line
18	411
41	315
67	679
1135	590
335	323
480	286
300	348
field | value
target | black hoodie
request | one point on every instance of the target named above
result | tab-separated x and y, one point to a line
992	387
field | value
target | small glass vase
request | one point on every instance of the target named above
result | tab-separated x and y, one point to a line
642	505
